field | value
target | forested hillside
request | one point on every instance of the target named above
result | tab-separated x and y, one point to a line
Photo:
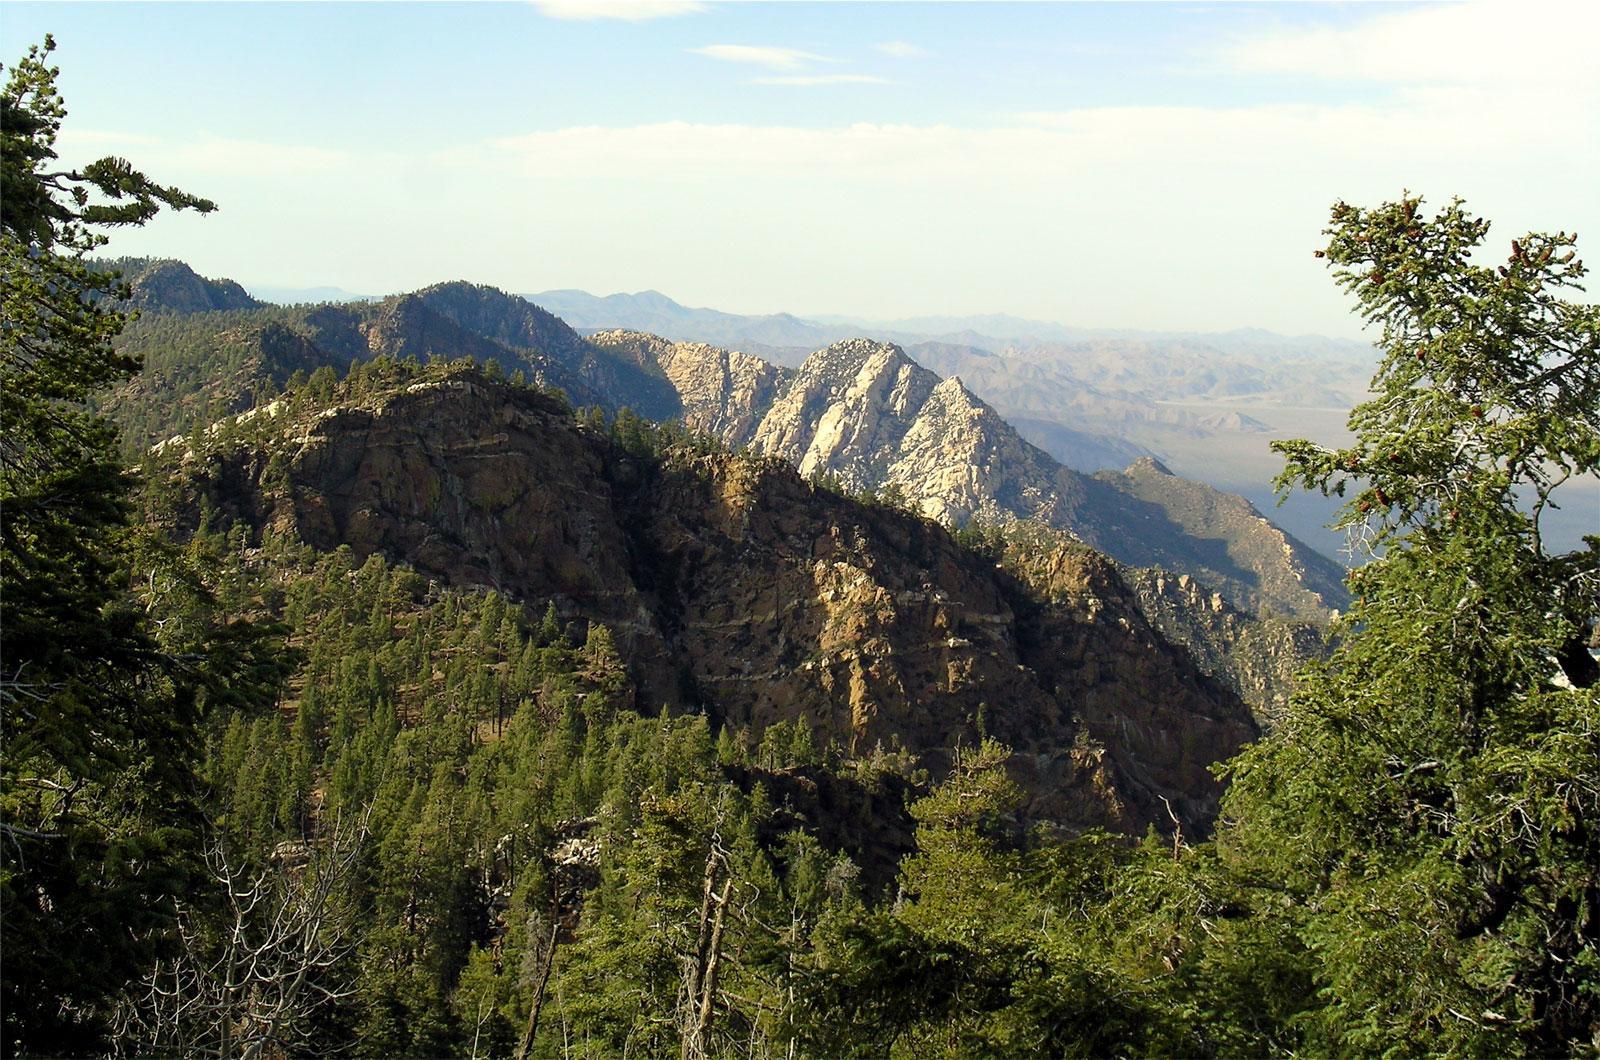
734	588
201	363
504	781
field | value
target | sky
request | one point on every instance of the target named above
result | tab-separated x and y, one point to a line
1149	166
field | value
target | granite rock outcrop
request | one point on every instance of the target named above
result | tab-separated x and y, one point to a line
865	416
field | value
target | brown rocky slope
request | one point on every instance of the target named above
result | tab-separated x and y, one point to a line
736	587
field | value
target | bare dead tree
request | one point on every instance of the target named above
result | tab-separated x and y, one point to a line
252	977
574	870
545	958
698	995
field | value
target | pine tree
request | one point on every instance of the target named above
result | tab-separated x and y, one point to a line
1432	800
97	779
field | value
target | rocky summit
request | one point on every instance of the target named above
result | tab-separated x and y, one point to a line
865	415
163	285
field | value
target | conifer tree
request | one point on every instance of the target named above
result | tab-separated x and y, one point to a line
97	776
1432	799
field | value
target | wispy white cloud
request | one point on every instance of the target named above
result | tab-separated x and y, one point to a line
1184	216
1180	216
623	10
1218	207
900	49
1486	43
770	57
1213	148
823	79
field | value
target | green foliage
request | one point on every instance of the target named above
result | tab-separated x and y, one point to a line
482	743
44	208
1490	380
996	946
1431	800
645	438
890	497
96	783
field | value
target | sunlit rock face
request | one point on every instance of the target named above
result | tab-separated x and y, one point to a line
865	416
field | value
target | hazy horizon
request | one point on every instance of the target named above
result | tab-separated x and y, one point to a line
288	295
1119	167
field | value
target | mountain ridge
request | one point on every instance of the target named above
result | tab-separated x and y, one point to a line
865	414
734	585
861	412
169	285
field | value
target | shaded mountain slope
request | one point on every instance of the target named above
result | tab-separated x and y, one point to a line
1256	657
1291	577
734	586
202	363
519	324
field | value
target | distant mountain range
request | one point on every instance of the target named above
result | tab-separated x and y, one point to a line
309	295
779	336
1027	368
655	312
1205	405
1086	397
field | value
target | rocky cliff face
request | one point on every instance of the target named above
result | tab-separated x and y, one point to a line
735	586
959	461
864	414
846	412
1257	657
724	393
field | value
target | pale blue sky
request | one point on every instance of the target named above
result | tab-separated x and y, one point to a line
1128	165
